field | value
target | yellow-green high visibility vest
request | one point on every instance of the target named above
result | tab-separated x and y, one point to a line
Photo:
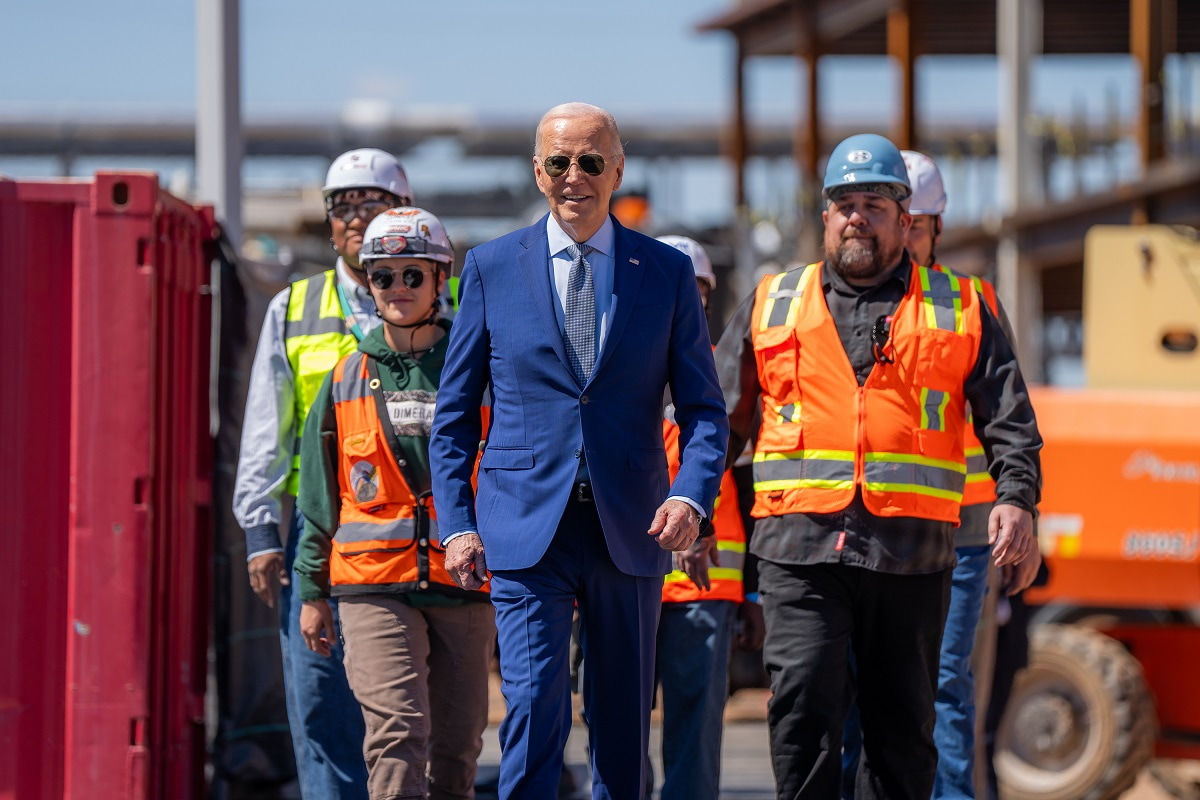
315	338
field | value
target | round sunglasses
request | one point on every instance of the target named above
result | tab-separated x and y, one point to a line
383	278
591	163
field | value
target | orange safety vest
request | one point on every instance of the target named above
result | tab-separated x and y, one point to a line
899	437
980	486
725	580
386	537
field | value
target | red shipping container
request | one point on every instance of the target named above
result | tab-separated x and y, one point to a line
104	416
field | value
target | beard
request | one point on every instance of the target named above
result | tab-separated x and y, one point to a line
862	261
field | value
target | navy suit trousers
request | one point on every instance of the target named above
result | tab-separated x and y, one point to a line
618	623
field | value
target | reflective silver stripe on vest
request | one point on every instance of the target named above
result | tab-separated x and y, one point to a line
783	296
829	469
730	559
789	413
312	323
933	409
352	386
894	472
943	302
402	529
977	465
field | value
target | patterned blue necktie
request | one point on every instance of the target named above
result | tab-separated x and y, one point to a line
579	329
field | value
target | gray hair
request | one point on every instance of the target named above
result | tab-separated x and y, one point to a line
571	110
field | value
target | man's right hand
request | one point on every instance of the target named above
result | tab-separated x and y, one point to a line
267	575
465	561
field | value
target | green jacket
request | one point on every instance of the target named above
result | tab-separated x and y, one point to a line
319	499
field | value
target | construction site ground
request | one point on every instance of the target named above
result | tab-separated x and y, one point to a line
745	764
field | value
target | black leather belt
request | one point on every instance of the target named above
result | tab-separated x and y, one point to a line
582	492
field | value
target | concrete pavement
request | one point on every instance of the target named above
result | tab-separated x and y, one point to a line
745	764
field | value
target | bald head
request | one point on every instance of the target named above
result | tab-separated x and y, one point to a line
579	111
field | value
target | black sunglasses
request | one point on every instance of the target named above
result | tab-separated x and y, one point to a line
367	211
591	163
881	344
383	278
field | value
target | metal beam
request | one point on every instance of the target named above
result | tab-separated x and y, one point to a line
1018	41
316	138
1148	44
738	139
219	113
900	35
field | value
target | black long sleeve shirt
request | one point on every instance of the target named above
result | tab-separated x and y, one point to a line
1004	422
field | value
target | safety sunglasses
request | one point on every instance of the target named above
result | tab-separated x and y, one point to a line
591	163
383	278
366	211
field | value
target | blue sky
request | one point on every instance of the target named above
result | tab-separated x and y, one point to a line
636	57
480	59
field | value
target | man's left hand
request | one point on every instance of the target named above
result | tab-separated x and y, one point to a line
676	525
695	560
1010	533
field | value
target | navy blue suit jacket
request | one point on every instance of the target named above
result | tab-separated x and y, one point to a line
506	336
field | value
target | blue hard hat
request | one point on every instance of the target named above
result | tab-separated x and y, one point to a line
866	162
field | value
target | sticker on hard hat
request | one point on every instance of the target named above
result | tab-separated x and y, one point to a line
393	244
849	177
859	157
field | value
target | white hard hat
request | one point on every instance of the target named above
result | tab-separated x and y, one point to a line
406	232
700	260
367	168
928	191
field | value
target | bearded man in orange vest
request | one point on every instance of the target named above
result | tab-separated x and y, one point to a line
860	367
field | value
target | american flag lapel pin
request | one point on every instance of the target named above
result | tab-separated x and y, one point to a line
634	261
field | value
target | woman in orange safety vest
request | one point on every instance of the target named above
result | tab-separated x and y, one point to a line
417	647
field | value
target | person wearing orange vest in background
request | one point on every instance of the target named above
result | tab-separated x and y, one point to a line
703	598
861	367
417	647
954	731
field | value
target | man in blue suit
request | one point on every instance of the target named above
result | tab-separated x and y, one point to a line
577	325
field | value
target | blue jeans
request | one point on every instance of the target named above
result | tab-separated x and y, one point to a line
325	719
954	731
693	667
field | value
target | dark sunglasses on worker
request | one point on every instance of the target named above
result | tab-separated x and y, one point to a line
383	278
591	163
367	211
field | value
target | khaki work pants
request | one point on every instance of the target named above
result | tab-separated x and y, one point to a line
421	678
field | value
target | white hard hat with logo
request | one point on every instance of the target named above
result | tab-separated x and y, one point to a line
406	232
367	168
928	191
700	260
